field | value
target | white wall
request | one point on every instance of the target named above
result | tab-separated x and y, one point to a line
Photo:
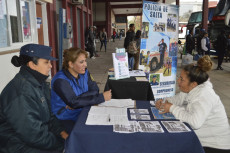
7	70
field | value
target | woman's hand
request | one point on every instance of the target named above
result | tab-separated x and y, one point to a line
107	95
158	103
165	107
64	135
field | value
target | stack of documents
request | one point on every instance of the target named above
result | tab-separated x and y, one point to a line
120	103
110	112
107	116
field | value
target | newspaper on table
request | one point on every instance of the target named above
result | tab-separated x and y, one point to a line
126	103
139	117
141	126
150	126
107	116
138	111
137	114
175	126
131	128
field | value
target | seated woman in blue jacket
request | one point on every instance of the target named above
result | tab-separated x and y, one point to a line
73	88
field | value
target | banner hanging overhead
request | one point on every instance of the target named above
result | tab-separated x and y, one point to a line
158	54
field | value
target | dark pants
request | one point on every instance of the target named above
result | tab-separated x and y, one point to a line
213	150
220	58
103	42
161	60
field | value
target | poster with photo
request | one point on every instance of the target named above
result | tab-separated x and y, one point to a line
159	47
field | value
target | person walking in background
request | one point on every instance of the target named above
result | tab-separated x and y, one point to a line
228	49
103	38
221	45
114	35
138	43
142	57
190	44
27	124
130	35
120	34
94	42
198	37
205	44
90	43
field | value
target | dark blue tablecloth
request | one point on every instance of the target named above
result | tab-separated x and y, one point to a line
102	139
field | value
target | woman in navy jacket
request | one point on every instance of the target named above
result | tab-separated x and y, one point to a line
73	88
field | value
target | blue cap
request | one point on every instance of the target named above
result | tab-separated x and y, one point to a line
154	76
36	50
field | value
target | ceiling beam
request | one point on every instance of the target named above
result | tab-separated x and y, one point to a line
117	0
127	6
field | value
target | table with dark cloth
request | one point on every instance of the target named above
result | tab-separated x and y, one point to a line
130	88
102	139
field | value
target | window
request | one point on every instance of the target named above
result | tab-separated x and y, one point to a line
3	25
15	22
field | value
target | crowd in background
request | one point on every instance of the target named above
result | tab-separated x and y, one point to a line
200	43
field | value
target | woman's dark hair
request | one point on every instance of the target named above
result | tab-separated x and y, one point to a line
23	60
199	73
72	54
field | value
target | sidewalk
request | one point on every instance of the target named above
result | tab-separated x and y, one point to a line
99	68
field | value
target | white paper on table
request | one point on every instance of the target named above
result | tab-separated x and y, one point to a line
95	110
141	79
107	116
150	126
97	119
127	103
175	126
137	73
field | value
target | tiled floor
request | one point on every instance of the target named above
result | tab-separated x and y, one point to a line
99	67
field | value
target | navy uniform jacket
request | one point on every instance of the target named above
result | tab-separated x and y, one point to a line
26	121
74	92
154	83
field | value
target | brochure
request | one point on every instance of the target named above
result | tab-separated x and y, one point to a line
156	114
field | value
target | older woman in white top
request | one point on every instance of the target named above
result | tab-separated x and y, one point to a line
199	106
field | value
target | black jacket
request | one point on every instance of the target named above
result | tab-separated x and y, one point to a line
26	122
130	35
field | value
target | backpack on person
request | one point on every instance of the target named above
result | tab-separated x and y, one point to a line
132	47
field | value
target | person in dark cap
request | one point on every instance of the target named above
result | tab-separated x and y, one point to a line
26	122
221	45
154	81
